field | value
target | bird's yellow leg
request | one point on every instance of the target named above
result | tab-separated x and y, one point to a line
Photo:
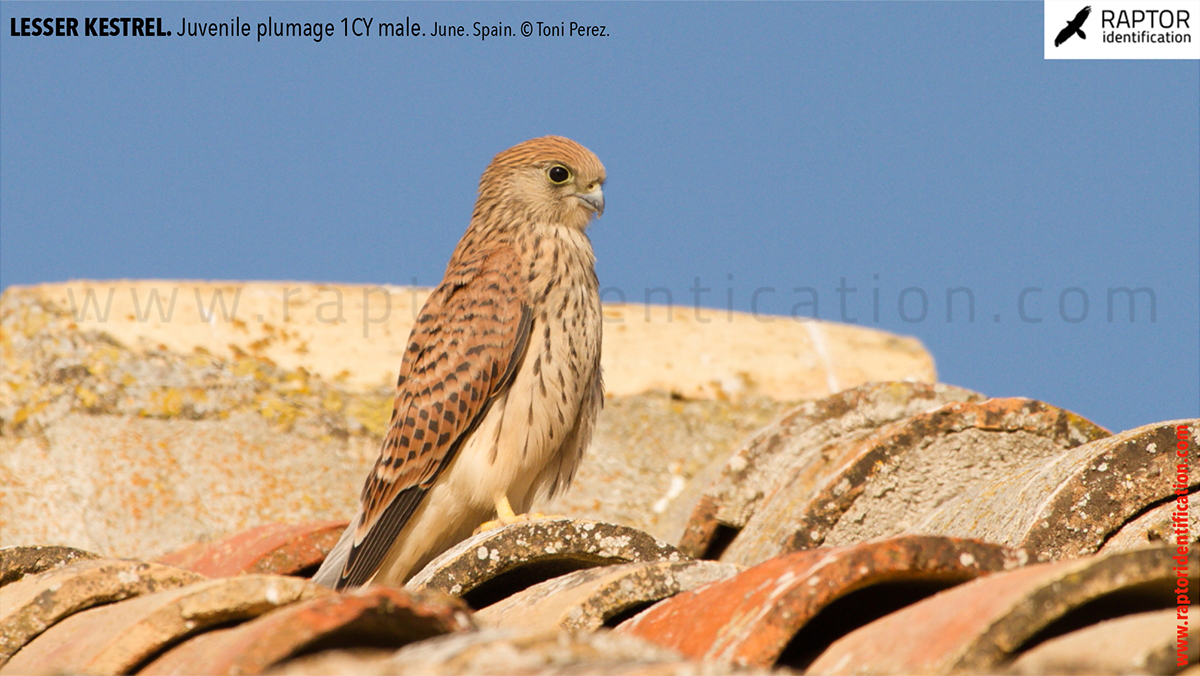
505	516
504	511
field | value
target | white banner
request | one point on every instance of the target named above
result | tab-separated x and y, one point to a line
1116	29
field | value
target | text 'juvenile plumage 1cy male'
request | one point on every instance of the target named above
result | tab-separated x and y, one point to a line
500	383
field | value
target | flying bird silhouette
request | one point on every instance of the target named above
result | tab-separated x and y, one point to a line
500	383
1074	26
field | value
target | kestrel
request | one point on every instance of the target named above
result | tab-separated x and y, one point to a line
500	383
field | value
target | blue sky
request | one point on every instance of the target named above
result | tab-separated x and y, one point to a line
908	148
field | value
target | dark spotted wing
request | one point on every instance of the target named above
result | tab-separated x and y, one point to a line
463	351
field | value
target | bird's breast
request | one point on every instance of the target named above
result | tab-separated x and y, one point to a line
528	426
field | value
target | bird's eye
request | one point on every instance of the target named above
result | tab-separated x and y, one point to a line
558	174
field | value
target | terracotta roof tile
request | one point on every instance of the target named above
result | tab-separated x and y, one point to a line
274	548
380	617
981	625
586	600
849	509
503	652
39	601
1153	527
1069	503
118	637
17	562
492	565
751	618
884	484
754	472
1143	643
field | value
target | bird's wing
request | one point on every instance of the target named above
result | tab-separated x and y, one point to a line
1064	34
1073	25
464	351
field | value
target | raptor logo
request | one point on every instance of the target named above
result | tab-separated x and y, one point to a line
1074	26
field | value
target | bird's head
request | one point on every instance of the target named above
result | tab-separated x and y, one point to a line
552	179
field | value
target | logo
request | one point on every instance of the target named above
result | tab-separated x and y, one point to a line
1074	26
1121	29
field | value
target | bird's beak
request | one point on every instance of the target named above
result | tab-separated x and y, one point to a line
594	200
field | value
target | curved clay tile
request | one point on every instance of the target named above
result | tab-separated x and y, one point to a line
883	484
116	638
492	565
17	562
1153	527
982	625
757	615
272	549
1143	643
795	440
36	603
499	652
1069	504
375	617
586	600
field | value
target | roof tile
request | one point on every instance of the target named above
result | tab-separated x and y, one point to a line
494	564
1068	504
981	625
795	440
586	600
751	618
1153	527
502	652
372	616
116	638
886	483
274	548
1143	643
17	562
37	602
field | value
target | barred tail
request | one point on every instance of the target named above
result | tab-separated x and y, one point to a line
330	571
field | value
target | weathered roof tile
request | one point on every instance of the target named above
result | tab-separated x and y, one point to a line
492	565
753	617
379	617
586	600
19	561
1067	504
116	638
1153	527
274	548
502	652
1143	643
886	483
35	603
981	625
780	450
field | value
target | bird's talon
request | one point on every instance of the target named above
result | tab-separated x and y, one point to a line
487	525
510	520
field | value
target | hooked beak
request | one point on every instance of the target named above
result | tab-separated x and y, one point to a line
594	200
